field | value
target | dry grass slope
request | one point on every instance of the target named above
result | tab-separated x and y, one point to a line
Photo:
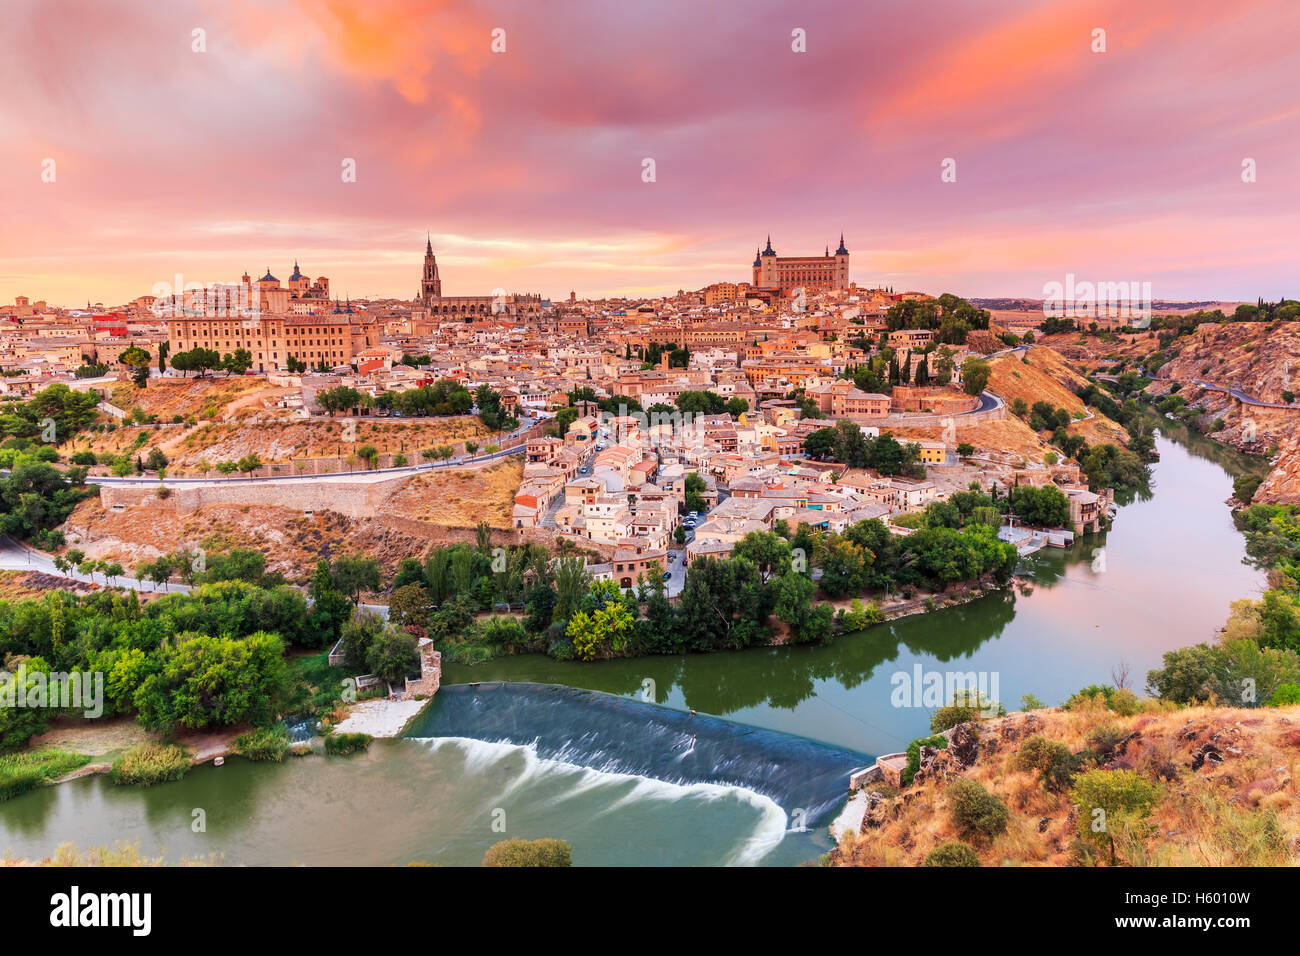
1226	779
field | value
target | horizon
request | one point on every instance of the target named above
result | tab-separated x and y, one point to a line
1119	165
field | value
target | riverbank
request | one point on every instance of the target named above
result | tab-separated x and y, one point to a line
1080	618
382	717
1221	780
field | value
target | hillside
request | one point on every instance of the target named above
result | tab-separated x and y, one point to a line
1009	435
1258	359
425	510
1225	781
1049	378
188	448
208	398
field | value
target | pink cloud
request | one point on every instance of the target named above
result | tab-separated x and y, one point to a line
527	163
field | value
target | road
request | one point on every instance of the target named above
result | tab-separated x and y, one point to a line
1239	395
375	474
678	568
15	556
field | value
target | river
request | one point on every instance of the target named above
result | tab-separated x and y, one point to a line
750	778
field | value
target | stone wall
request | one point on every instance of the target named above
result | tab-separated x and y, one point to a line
355	499
430	673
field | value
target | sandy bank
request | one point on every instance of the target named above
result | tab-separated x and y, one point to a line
380	718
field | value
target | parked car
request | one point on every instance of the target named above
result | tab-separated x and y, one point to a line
667	575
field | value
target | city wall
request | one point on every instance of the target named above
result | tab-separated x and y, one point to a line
354	499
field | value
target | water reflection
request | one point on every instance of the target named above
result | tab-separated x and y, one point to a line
1161	578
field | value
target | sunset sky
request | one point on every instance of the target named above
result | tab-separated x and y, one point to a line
526	166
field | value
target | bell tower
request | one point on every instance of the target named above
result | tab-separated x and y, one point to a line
430	284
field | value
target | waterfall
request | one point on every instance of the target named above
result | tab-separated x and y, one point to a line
610	734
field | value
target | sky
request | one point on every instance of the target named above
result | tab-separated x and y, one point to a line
527	167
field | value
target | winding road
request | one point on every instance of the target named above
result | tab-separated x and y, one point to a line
16	556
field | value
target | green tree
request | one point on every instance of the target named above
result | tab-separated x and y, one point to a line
138	361
409	605
237	362
392	655
975	375
354	574
602	633
1046	506
1113	803
767	551
330	607
694	493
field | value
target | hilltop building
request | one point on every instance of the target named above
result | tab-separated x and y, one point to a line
785	274
498	305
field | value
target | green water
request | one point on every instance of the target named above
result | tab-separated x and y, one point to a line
1171	567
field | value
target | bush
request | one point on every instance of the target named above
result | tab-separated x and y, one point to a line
1053	761
150	763
1105	739
340	745
529	853
1120	701
966	706
1286	695
24	771
1244	487
1113	803
952	853
264	743
974	811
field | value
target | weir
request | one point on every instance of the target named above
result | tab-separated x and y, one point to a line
807	779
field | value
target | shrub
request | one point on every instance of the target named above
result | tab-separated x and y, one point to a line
529	853
965	707
149	763
952	853
1113	803
1244	487
1121	701
1053	761
1286	695
264	743
1105	739
340	745
974	811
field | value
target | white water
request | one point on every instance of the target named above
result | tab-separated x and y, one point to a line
602	792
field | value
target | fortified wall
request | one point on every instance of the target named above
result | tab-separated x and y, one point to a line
355	499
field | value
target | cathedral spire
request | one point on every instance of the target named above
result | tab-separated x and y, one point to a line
428	244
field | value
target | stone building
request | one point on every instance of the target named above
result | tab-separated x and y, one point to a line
785	274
